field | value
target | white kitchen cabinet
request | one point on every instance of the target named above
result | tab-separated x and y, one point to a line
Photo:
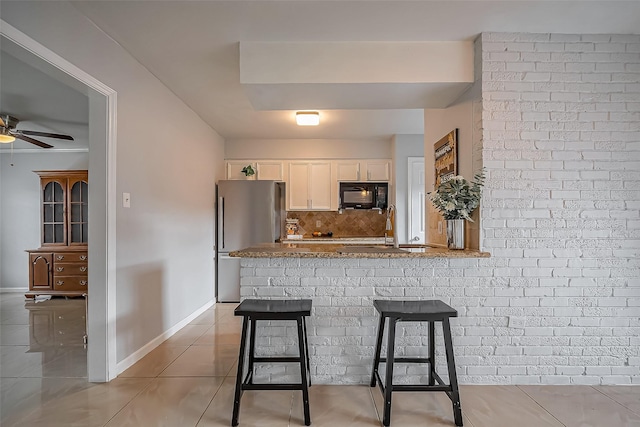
348	170
309	185
378	170
234	169
270	170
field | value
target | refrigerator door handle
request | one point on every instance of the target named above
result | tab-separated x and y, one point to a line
221	222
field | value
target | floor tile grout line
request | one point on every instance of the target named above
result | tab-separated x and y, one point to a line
150	380
211	401
540	405
373	402
615	400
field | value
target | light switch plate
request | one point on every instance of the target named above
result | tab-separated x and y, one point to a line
318	224
126	200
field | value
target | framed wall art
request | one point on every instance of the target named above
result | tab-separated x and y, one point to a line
446	157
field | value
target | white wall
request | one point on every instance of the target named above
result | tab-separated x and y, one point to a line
20	208
165	269
307	149
404	146
437	123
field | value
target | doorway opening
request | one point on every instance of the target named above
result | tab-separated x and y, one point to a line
101	354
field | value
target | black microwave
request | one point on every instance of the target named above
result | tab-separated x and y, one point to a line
364	195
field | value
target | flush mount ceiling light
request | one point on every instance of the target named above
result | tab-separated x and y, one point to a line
308	118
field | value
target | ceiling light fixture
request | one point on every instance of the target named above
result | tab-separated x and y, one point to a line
6	137
308	118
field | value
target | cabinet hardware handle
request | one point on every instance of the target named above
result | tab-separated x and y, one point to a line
83	269
60	269
60	257
83	282
83	257
60	282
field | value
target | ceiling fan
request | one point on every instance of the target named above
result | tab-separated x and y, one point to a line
9	133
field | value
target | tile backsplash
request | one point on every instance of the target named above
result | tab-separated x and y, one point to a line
351	223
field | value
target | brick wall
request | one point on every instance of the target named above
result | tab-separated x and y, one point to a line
559	300
561	142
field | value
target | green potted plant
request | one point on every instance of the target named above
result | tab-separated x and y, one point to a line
248	171
456	199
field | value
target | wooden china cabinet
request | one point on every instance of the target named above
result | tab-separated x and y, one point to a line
59	266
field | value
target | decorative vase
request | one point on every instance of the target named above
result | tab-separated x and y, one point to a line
455	234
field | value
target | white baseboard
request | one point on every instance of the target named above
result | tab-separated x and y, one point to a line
23	290
146	349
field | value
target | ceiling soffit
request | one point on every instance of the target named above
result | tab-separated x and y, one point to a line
355	75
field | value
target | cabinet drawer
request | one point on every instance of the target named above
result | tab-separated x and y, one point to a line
70	283
70	269
70	256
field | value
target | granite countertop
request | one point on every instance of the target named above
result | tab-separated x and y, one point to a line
338	240
327	250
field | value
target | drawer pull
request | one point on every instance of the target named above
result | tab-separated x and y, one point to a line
60	282
60	257
83	257
83	269
83	282
60	269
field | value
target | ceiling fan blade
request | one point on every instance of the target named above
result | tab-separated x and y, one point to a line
2	122
31	140
46	134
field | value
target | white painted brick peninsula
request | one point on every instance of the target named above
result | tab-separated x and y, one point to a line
558	302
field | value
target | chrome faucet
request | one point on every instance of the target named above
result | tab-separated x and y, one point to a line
391	225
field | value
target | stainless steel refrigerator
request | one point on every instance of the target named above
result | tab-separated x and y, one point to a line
248	213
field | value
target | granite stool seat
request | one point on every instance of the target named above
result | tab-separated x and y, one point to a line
430	311
253	310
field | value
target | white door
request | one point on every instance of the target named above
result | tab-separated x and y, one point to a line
417	201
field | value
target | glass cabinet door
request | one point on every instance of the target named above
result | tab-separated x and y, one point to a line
53	213
78	204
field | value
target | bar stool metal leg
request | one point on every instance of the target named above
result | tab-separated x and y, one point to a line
432	353
453	379
303	371
252	348
376	356
388	388
306	348
238	394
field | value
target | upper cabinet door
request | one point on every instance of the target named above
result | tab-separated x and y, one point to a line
378	170
348	170
78	199
298	186
320	185
270	170
54	215
64	207
234	169
309	186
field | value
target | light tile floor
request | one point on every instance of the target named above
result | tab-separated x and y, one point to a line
189	381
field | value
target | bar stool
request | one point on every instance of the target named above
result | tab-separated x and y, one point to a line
253	310
415	311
